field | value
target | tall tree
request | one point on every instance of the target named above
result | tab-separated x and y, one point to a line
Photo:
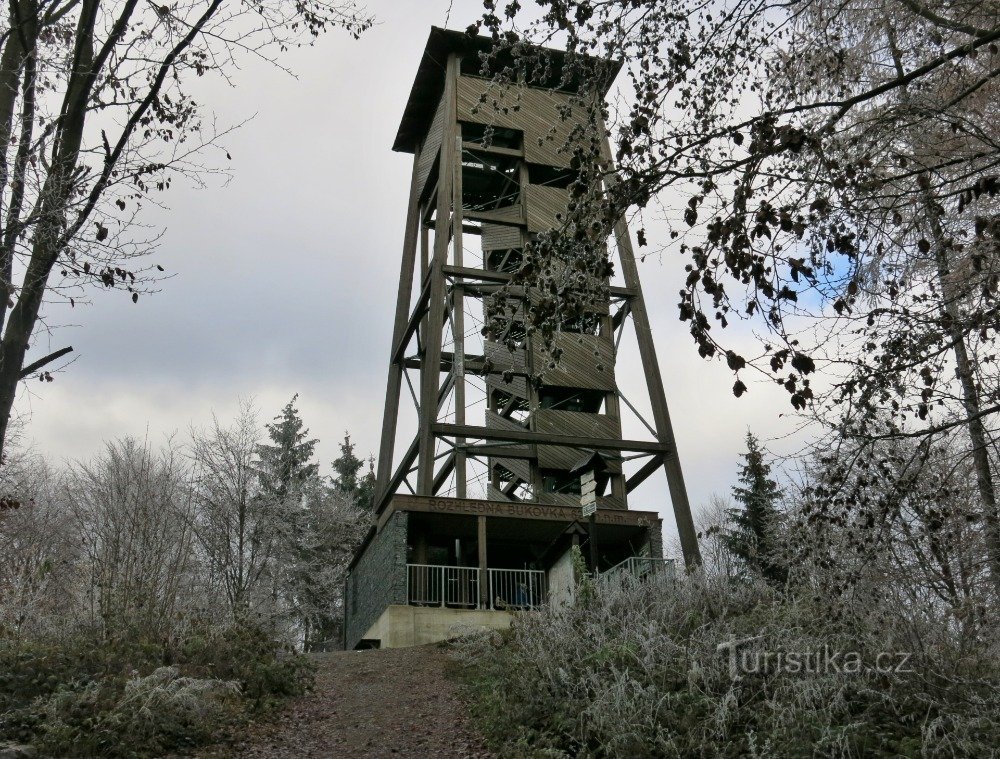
94	119
285	463
754	535
836	166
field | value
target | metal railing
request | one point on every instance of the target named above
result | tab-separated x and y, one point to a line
458	587
517	588
641	568
438	585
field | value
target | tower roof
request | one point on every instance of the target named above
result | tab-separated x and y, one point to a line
428	85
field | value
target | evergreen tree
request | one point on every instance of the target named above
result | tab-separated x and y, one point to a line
754	536
366	487
285	464
347	478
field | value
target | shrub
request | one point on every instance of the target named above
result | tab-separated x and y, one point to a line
149	715
90	695
635	670
266	670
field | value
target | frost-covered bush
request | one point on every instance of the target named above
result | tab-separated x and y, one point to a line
90	695
159	712
635	669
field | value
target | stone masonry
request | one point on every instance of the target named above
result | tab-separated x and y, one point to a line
378	579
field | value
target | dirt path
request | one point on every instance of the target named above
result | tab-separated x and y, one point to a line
388	703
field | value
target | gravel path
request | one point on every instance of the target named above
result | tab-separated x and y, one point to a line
382	703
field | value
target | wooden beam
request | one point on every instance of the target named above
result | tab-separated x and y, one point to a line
430	374
487	275
654	382
527	436
458	316
442	476
468	229
492	149
399	475
419	309
519	510
643	474
501	451
395	378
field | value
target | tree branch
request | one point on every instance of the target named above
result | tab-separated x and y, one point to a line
45	360
941	21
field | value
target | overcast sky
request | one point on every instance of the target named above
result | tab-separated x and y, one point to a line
285	278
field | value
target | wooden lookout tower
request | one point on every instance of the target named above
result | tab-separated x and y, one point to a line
479	504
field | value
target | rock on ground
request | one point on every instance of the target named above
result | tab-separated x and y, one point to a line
382	703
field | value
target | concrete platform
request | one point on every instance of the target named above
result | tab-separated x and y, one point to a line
403	626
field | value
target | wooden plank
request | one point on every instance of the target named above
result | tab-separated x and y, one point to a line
513	215
572	501
431	147
578	364
545	207
478	147
534	111
577	423
502	237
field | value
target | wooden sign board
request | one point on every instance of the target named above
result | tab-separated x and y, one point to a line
517	510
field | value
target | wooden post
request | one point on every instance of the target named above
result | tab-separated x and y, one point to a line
592	527
484	578
430	366
458	316
654	381
393	384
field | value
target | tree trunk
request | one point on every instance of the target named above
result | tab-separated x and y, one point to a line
963	364
55	194
970	393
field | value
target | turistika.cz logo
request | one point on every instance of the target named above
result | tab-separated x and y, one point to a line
747	659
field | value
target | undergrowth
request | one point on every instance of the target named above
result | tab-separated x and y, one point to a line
635	669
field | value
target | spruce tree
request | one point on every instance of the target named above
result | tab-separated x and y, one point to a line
754	536
285	464
347	478
366	487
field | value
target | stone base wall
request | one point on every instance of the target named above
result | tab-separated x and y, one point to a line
378	580
656	540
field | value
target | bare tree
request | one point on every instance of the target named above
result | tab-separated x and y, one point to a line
40	581
713	522
829	172
238	526
94	118
132	511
